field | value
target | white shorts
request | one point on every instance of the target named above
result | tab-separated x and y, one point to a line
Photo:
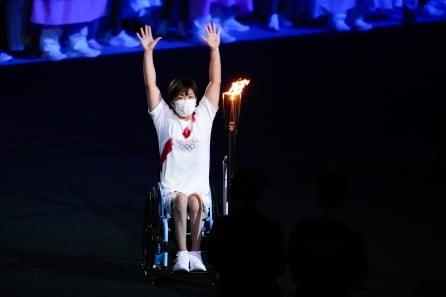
169	197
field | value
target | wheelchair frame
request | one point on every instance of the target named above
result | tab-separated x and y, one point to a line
158	240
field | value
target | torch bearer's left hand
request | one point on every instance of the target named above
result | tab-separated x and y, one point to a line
213	35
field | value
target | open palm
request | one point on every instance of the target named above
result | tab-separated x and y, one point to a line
212	37
146	38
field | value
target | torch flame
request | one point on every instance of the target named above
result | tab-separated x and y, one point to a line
237	87
232	102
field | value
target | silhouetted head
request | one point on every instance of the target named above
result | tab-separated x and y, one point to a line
181	86
330	189
247	186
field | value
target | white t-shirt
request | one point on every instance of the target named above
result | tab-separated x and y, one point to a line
184	161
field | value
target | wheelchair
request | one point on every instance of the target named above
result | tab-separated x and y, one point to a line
158	238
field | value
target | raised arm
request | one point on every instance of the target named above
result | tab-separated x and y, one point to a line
212	39
148	43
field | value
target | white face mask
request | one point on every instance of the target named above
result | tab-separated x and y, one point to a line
185	107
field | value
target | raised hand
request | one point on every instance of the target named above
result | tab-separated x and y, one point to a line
146	38
213	35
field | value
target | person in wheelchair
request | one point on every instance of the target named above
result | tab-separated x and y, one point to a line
183	125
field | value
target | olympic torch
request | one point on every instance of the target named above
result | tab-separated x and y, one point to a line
232	102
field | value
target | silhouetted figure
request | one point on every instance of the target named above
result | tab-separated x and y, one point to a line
246	248
327	257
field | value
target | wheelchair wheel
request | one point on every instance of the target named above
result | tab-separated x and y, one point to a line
151	237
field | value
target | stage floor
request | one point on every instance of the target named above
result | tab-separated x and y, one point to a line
259	32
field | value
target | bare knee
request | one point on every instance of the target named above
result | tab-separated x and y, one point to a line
180	204
194	205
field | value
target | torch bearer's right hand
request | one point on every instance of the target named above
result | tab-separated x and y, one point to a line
146	39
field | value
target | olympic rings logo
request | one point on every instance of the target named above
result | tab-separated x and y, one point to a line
186	146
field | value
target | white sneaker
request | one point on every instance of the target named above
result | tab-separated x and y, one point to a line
181	262
226	38
123	39
433	11
341	26
4	57
92	43
273	23
54	56
196	262
362	25
232	24
86	52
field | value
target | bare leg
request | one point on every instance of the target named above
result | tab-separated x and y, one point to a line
180	220
195	209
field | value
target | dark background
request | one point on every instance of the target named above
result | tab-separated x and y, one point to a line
78	154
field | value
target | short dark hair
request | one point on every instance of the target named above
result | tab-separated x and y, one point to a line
179	85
